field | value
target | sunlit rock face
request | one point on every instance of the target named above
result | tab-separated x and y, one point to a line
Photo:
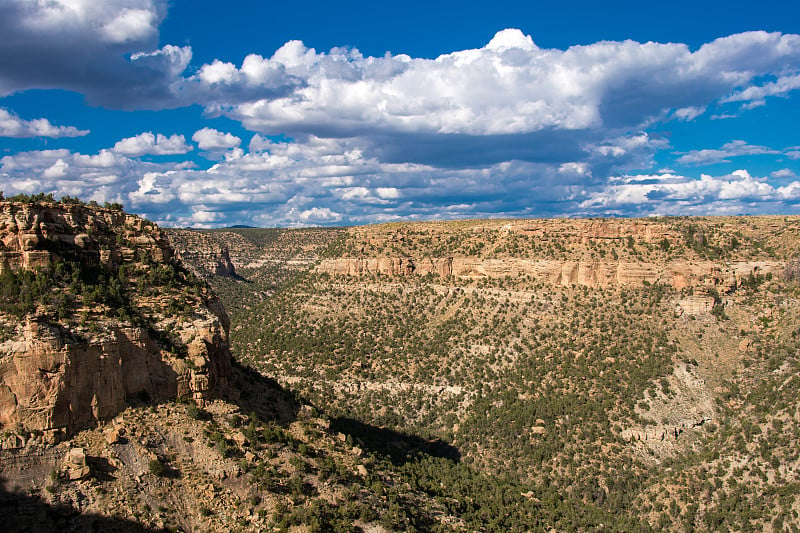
162	336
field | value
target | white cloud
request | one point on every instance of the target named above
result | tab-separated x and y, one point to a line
149	144
509	100
259	144
327	181
203	217
153	189
790	192
744	187
579	169
104	49
130	25
783	173
104	176
109	51
13	126
780	87
56	170
510	86
170	61
211	139
218	72
509	39
114	20
688	113
738	192
732	149
317	215
388	193
508	128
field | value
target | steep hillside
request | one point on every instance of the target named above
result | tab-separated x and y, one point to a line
246	265
569	375
587	372
121	409
95	312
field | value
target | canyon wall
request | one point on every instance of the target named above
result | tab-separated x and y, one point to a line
60	374
679	274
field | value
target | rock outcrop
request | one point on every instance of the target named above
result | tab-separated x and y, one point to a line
60	374
564	252
34	236
210	262
679	274
51	383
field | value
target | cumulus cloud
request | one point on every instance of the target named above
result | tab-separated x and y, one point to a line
508	128
91	46
104	176
510	86
317	215
318	181
332	181
735	193
149	144
130	25
56	170
210	139
508	100
13	126
109	50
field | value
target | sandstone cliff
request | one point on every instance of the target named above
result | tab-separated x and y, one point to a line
679	274
211	254
592	253
207	262
131	324
35	235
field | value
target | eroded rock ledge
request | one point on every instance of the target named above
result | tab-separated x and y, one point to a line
558	272
60	373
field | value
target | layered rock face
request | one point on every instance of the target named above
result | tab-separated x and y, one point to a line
208	256
52	383
34	236
213	262
679	274
61	374
592	253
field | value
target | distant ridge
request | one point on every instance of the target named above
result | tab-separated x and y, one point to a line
236	226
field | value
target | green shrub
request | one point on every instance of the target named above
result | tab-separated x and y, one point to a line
157	468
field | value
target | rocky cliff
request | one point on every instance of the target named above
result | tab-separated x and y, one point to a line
593	253
678	274
97	314
204	259
36	235
211	254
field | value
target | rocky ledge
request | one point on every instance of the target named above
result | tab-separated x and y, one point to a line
97	315
678	274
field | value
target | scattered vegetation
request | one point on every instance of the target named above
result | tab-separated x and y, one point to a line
533	385
477	403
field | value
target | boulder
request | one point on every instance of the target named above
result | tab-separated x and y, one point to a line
75	466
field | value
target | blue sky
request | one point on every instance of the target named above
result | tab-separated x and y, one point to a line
206	113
